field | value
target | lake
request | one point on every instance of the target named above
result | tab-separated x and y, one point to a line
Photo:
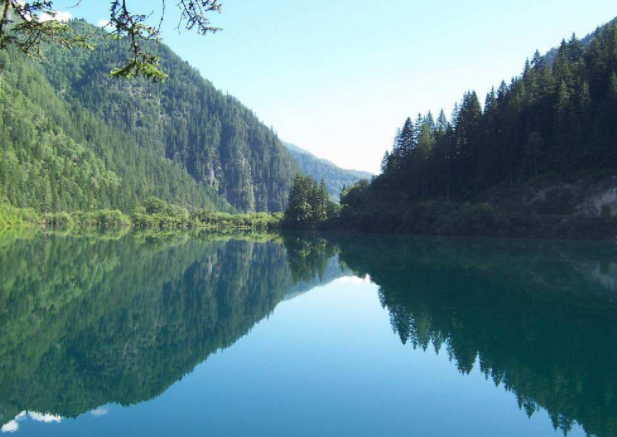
306	335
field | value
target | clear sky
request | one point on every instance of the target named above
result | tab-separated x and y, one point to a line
337	77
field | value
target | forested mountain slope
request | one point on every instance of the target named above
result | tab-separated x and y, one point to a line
78	139
214	137
59	156
555	121
335	177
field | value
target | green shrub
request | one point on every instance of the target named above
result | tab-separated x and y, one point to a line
11	217
154	205
101	219
61	220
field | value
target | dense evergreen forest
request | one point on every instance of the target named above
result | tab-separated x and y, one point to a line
336	178
55	155
554	121
555	118
75	138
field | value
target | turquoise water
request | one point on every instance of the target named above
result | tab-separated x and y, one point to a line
201	335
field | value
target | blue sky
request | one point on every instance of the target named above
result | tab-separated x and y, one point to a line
337	77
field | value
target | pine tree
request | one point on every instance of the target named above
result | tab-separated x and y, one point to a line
537	62
407	141
299	211
309	203
425	147
385	162
324	200
574	49
467	133
563	127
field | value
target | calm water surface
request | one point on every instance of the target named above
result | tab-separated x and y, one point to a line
337	335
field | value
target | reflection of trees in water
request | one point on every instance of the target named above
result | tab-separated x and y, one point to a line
86	321
313	261
532	315
309	254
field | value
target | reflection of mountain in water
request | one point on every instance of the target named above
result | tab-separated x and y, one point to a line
88	321
538	318
333	271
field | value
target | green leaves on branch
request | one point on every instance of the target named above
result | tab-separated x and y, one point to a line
133	28
28	26
145	66
194	15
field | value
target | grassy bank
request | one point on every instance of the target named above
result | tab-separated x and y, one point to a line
160	216
11	217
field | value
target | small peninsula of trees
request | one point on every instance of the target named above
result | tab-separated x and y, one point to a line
309	204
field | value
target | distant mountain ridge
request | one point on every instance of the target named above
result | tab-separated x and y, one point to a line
296	149
317	168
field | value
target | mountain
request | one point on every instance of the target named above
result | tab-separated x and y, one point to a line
56	155
335	177
74	138
297	150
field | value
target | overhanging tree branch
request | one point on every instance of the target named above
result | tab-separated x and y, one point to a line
29	25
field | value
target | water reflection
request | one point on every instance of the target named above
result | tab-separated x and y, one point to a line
87	321
13	425
90	320
539	318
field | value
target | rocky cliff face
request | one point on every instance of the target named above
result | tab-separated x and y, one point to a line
596	199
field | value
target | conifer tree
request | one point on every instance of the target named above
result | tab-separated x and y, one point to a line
537	62
575	49
309	204
407	140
